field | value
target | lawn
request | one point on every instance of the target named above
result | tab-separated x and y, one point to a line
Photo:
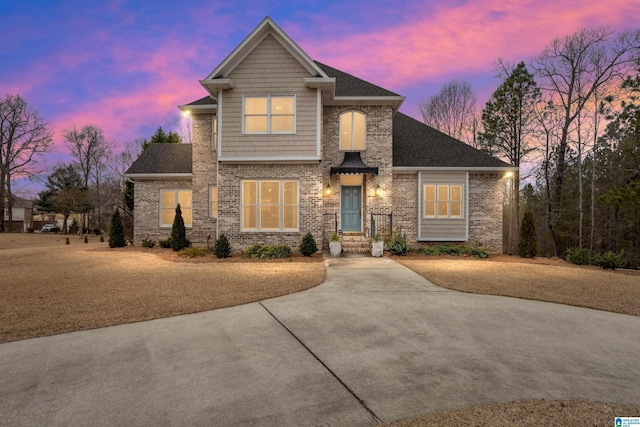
49	288
541	279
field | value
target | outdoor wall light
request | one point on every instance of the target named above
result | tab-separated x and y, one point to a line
378	191
327	191
508	174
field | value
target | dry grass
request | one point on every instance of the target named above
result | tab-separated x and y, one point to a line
540	279
528	413
48	287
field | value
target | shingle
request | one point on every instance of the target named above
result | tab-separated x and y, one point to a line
163	159
207	100
418	145
348	85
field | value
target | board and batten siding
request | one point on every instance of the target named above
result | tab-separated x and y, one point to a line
269	70
443	229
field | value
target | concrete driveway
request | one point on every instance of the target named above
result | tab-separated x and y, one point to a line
375	342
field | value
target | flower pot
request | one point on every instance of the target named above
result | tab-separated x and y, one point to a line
377	248
335	248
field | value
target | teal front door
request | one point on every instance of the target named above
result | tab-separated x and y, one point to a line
351	208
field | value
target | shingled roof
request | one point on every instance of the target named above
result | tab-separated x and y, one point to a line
162	159
348	85
207	100
418	145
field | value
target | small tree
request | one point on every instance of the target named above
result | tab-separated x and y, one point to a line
308	246
222	247
527	244
178	232
116	231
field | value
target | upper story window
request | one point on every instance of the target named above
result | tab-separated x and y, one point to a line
442	201
269	114
353	128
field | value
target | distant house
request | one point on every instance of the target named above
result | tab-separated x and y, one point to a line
283	144
22	215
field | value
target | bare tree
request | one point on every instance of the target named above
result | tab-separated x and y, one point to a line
453	111
24	136
91	150
572	68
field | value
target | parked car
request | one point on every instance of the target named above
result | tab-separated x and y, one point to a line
49	228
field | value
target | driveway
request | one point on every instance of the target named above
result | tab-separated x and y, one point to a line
375	342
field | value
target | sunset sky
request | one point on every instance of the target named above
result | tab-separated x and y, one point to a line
126	65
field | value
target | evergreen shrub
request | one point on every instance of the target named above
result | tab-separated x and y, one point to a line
116	231
178	232
222	247
308	246
527	243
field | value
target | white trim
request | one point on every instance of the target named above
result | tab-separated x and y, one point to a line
436	188
467	215
159	175
220	123
214	133
269	115
263	159
319	122
452	169
443	239
420	207
267	26
198	109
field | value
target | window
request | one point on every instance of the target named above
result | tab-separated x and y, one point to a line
353	126
213	202
269	205
169	199
442	201
269	114
214	133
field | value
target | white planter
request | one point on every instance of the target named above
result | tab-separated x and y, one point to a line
335	248
377	249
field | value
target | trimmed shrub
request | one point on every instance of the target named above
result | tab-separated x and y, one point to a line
430	250
527	243
222	247
178	237
609	260
308	246
455	250
268	251
148	243
398	244
116	231
578	256
164	243
67	242
192	252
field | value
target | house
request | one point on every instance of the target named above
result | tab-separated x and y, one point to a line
22	215
283	145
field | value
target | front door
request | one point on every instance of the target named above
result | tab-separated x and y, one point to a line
351	208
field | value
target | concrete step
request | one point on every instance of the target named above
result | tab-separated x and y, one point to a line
356	244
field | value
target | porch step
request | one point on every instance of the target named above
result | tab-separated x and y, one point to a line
355	244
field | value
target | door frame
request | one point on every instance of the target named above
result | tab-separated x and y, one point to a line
361	208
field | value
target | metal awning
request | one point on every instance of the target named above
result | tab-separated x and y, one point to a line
353	164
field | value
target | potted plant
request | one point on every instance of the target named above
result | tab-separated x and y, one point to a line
377	246
335	245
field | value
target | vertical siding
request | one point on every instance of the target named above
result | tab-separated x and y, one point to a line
270	70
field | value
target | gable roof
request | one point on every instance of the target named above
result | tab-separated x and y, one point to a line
162	159
416	145
348	85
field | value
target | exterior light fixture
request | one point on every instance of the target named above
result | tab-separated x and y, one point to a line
508	174
186	113
327	190
378	191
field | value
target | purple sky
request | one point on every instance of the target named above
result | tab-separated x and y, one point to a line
126	65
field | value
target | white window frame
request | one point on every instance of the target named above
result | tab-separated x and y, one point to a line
437	200
211	202
352	112
257	205
269	115
176	191
214	133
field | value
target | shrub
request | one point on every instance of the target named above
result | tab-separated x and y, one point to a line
398	244
178	232
116	231
67	242
334	237
86	240
377	237
222	247
192	252
527	243
430	250
455	250
308	246
578	256
97	231
148	243
101	239
164	243
268	251
74	227
609	259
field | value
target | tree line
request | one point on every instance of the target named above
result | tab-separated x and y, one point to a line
569	120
